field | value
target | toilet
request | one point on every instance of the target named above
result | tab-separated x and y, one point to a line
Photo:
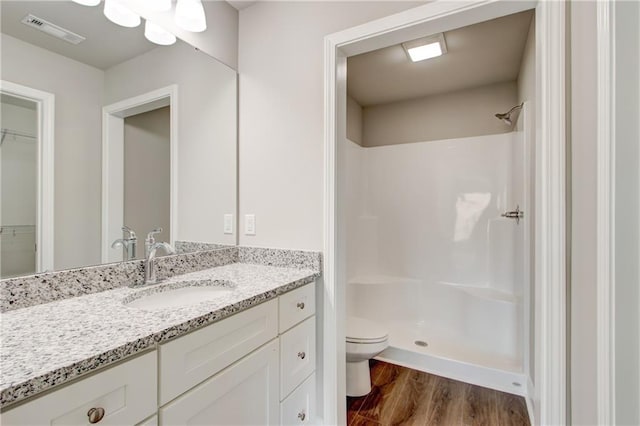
365	339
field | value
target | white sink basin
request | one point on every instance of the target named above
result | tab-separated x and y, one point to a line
179	294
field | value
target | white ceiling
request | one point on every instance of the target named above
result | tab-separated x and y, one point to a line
486	53
107	44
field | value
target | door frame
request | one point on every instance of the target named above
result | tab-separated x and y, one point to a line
113	116
605	215
45	102
549	397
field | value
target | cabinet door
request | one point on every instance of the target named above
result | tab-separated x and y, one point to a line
125	394
297	355
246	393
300	407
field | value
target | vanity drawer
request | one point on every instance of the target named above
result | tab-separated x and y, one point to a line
245	393
297	305
126	393
300	407
297	355
194	358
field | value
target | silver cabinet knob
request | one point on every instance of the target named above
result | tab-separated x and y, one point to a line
95	414
301	355
300	305
302	416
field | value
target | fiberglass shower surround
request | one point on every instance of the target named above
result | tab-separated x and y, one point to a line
431	257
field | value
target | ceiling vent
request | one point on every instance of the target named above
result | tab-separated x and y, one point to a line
52	29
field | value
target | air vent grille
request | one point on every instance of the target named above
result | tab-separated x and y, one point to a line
52	29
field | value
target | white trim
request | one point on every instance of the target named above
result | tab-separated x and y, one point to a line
605	308
550	215
46	184
112	143
550	247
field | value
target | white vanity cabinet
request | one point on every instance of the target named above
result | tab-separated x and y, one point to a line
256	367
122	395
272	385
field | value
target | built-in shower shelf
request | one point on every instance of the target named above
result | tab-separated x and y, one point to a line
484	292
383	280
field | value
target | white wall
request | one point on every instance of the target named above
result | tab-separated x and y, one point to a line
583	213
450	115
627	212
206	131
281	114
78	102
354	121
147	177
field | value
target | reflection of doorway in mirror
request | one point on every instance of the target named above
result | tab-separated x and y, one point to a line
147	178
26	180
161	104
18	186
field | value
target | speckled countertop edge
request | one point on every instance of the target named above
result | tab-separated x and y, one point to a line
17	391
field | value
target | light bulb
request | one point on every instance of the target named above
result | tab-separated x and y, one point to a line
119	14
190	15
87	2
158	5
158	35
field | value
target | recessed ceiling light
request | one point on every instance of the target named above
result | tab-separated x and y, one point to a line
425	48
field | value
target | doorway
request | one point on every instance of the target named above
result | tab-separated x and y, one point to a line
547	393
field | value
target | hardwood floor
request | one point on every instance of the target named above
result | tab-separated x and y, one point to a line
402	396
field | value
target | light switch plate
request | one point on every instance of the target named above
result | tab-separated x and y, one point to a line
250	224
228	224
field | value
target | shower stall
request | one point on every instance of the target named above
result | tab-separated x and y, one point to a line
438	238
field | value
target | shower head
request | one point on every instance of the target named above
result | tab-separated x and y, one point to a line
506	117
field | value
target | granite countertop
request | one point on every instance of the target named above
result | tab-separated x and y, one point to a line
49	344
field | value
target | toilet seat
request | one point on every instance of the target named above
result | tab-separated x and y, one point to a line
360	330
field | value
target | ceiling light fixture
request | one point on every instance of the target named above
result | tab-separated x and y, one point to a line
87	2
158	35
119	14
425	48
190	15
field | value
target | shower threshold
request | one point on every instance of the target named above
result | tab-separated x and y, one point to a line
437	356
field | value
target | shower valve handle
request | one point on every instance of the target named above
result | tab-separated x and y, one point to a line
516	214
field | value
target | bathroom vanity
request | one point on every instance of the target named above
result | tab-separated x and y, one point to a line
245	356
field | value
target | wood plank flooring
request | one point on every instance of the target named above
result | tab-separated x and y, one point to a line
402	396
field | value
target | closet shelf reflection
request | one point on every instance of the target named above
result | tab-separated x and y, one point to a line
13	230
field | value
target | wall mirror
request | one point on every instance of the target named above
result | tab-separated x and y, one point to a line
101	130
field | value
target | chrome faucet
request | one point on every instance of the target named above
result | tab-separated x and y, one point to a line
128	244
150	263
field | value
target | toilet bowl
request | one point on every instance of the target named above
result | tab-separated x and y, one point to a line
365	339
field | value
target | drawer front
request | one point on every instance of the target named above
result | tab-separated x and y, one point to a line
300	407
296	306
297	355
192	359
245	393
126	393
